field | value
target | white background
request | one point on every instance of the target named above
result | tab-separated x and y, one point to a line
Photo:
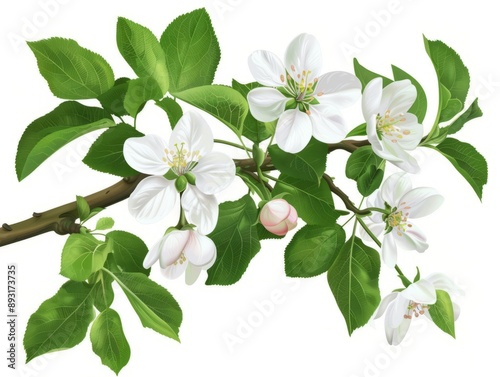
302	332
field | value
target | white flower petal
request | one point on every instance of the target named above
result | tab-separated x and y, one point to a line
372	96
396	311
393	151
444	283
378	145
304	54
145	154
384	304
174	270
210	263
396	335
456	311
200	209
412	239
214	172
293	131
422	292
327	125
267	68
192	273
422	201
339	89
394	187
412	132
152	256
389	249
406	162
385	148
194	132
172	245
200	249
266	104
398	97
153	198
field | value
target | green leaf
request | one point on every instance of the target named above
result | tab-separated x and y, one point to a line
105	223
61	322
142	51
452	75
192	51
253	185
112	100
353	279
366	168
83	208
370	180
172	108
236	240
358	131
442	313
103	290
106	153
93	212
154	305
365	75
83	255
359	162
308	164
453	107
419	108
312	250
129	251
471	113
314	204
468	162
264	234
139	92
253	129
222	102
108	340
72	72
47	134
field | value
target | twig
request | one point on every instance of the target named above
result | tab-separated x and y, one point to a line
342	195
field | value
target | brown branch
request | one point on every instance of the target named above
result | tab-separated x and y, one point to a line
348	145
343	196
62	219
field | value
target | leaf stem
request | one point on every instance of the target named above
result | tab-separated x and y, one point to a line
370	233
406	282
219	141
376	209
244	147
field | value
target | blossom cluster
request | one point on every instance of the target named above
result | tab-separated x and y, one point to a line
304	104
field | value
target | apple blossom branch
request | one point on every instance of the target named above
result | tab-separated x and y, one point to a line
61	220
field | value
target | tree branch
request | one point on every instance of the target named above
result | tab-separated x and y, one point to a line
62	219
343	196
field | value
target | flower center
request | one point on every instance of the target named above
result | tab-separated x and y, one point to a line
398	219
387	126
181	260
415	309
301	89
181	160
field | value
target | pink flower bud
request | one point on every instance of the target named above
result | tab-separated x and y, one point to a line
278	217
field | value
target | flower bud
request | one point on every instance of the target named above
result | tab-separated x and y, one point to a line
278	217
181	183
